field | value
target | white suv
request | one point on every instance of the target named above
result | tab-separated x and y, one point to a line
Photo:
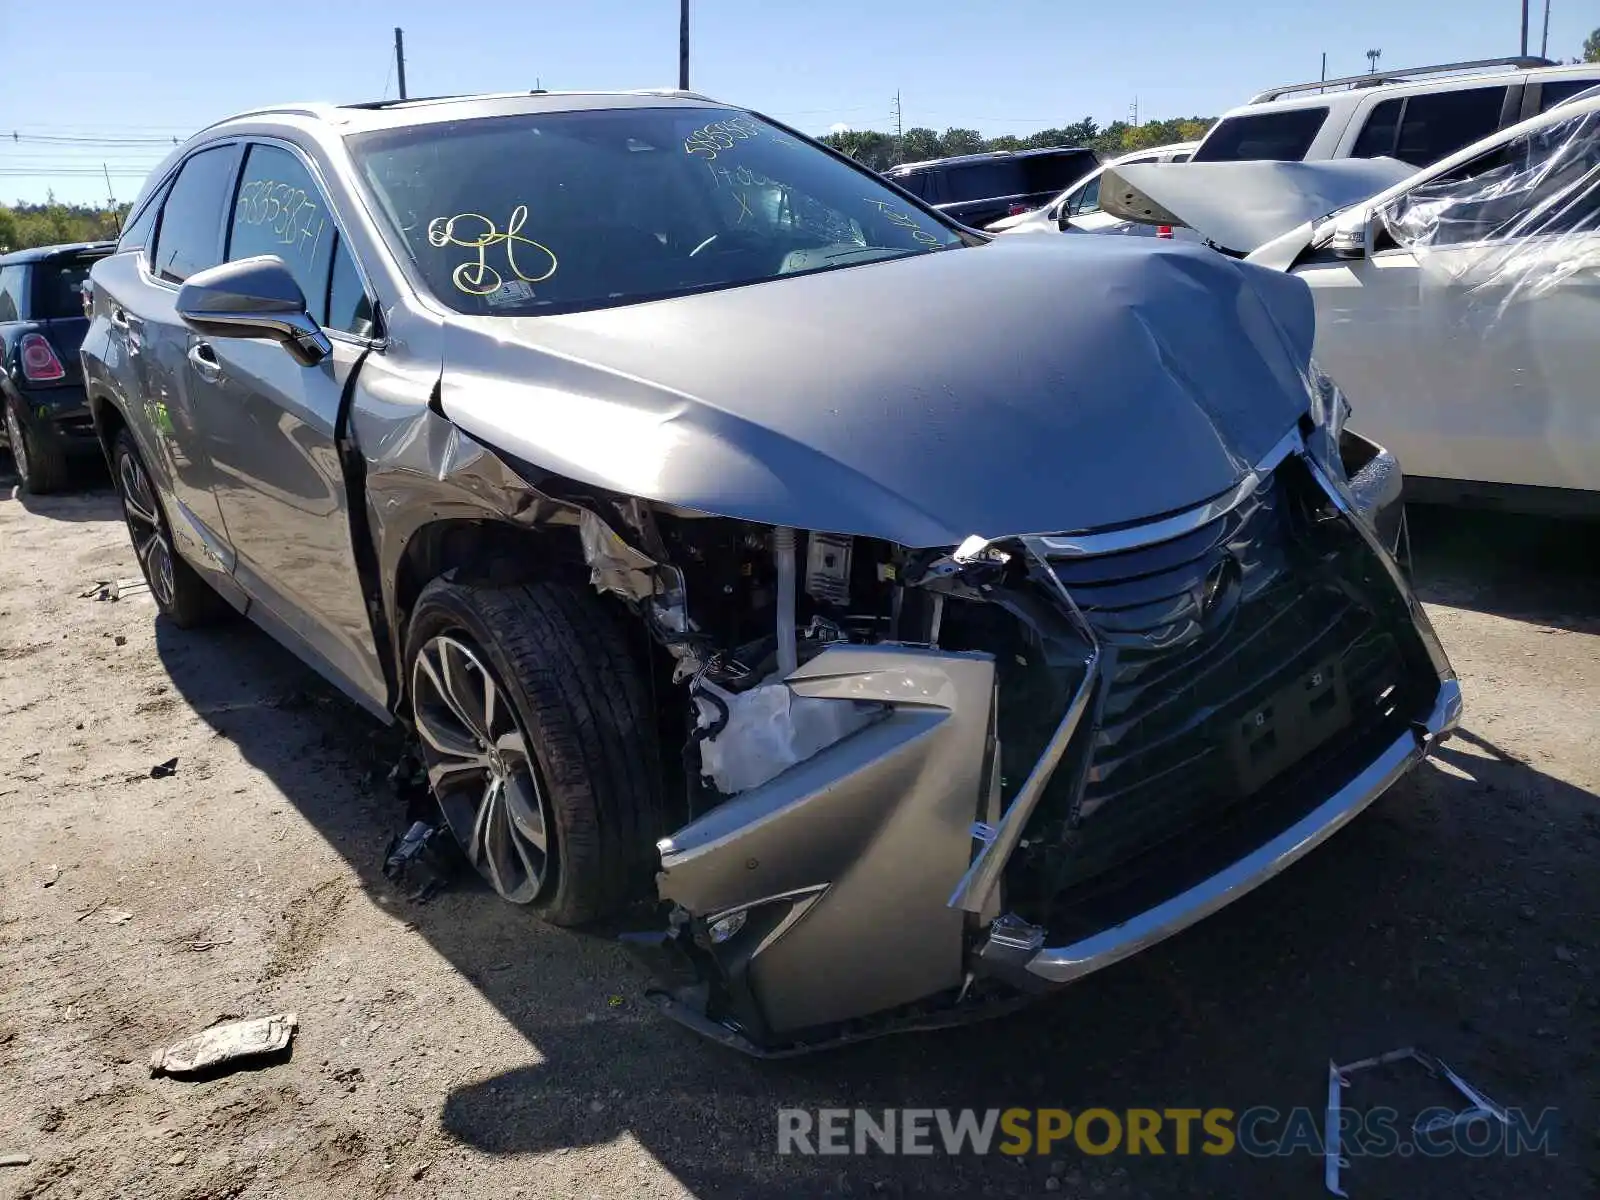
1418	115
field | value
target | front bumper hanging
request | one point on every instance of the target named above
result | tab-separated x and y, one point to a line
861	891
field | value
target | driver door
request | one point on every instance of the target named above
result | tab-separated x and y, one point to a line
272	429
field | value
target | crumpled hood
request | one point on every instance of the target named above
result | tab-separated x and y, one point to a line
1027	385
1243	205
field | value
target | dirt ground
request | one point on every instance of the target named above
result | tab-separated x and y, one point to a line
461	1049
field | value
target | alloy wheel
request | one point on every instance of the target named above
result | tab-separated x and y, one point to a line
480	767
19	445
145	528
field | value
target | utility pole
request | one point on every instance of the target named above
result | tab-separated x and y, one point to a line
683	45
1524	28
1324	64
1133	113
1372	59
1544	42
899	130
400	58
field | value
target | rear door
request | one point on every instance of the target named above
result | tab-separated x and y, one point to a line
271	426
141	293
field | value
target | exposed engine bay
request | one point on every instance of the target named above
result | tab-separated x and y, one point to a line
945	756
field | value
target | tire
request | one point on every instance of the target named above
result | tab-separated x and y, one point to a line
42	468
179	592
556	798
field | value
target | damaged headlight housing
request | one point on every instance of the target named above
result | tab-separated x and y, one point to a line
1329	412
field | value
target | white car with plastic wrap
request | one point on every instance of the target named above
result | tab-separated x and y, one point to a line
1459	308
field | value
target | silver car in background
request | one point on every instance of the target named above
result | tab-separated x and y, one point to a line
745	541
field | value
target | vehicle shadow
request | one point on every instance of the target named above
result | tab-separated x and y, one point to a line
1402	930
90	497
1534	569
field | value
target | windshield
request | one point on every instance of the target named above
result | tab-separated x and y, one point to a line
566	211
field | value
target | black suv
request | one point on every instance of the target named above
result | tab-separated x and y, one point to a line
46	420
976	189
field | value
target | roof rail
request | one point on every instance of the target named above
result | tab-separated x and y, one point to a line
314	108
1378	79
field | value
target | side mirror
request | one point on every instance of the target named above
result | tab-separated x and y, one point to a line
1355	239
254	298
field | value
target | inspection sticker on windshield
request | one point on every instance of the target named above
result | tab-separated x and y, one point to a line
512	291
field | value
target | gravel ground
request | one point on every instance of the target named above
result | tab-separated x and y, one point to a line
460	1049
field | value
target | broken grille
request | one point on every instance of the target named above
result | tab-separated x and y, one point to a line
1227	660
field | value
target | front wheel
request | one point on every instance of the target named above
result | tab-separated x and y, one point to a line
538	742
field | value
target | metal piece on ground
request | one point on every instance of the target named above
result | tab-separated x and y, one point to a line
1334	1161
225	1044
422	861
164	770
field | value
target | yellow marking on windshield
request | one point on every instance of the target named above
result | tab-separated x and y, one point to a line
898	216
478	278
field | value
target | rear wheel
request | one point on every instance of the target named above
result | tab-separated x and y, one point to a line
538	743
43	468
179	592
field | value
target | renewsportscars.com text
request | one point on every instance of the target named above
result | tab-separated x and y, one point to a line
1260	1132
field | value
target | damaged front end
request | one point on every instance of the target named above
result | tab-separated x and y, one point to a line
924	785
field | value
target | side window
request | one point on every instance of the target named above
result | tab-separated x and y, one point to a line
12	281
281	211
1544	183
137	235
1433	126
349	309
1553	91
189	232
915	182
1085	200
1378	134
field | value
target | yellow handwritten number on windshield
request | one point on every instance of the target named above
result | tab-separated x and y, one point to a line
898	216
477	277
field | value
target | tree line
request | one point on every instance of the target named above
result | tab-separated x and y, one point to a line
23	226
880	150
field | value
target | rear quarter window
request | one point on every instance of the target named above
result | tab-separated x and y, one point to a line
918	183
1283	136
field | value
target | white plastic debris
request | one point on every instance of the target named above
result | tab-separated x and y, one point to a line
226	1044
767	730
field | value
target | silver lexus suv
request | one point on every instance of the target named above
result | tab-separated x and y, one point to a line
906	622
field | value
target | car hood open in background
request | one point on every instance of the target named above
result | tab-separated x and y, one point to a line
1015	387
1240	206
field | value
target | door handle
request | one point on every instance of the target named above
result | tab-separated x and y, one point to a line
118	319
204	360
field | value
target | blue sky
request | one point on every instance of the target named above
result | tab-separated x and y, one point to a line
1003	67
